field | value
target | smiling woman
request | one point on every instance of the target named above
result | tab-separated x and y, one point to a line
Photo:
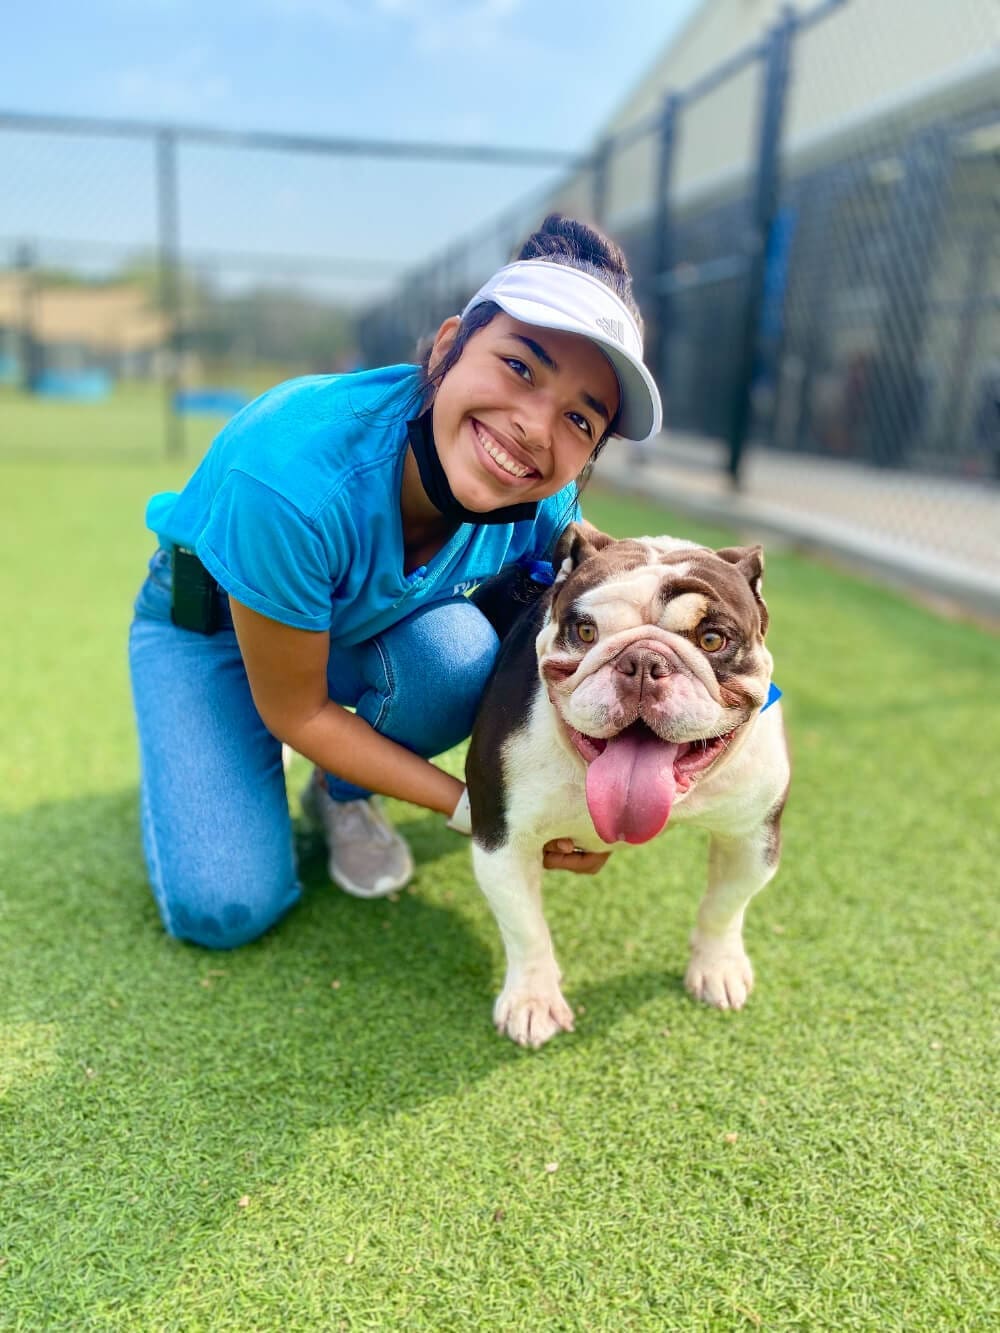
318	560
521	412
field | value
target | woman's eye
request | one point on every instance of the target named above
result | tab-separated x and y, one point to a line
518	367
582	422
711	640
586	632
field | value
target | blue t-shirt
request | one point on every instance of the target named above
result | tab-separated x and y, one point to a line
295	510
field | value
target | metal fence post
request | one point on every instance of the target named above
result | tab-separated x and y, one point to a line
508	238
818	212
970	318
894	406
776	68
169	276
662	238
599	199
31	357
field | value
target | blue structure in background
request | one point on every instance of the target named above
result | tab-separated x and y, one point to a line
89	386
210	402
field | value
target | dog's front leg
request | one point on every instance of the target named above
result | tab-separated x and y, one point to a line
530	1009
719	971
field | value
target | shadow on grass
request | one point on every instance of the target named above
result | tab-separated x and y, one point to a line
176	1078
82	936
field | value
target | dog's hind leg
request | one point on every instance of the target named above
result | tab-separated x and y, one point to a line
530	1009
719	971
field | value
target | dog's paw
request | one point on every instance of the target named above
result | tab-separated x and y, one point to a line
532	1013
720	977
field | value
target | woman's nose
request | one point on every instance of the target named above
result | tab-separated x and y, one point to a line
535	422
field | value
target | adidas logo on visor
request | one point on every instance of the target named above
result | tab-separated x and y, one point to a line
614	328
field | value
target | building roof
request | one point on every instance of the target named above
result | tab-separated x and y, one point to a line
106	318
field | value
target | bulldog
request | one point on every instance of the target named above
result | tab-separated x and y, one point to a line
633	695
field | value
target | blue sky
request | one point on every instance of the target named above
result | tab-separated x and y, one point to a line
498	71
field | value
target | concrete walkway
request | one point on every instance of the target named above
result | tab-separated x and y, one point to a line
934	535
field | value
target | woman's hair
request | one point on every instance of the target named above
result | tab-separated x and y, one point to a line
558	240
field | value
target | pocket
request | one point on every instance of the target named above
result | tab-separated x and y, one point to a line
156	593
160	569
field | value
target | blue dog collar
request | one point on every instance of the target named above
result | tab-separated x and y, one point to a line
773	695
540	571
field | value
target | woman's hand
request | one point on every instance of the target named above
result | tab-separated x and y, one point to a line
559	854
563	854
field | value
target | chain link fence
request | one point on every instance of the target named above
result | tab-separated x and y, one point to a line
814	230
189	269
811	217
840	272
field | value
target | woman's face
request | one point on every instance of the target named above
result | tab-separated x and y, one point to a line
519	414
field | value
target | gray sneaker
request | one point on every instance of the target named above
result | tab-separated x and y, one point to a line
367	856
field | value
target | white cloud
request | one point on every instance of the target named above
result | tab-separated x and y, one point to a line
185	86
476	26
434	25
337	13
469	127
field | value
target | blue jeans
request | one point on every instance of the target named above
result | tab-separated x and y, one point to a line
215	824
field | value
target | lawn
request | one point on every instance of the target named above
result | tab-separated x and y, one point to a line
322	1131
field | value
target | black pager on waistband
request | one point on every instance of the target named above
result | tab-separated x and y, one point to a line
195	603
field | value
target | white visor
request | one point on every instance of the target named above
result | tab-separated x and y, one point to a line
555	296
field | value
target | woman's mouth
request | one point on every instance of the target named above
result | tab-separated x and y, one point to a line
498	460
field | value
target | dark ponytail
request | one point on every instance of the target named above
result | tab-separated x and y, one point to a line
558	240
566	241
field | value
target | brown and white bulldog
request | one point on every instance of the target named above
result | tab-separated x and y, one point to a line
632	694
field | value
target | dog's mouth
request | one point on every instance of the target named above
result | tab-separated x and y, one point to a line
633	778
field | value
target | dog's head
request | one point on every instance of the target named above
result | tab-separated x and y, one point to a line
653	657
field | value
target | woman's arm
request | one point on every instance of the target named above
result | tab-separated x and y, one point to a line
286	668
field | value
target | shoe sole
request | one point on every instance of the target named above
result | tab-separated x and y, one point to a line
342	882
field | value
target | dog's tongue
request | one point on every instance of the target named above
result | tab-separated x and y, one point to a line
631	786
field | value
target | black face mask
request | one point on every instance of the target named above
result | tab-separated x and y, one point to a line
435	483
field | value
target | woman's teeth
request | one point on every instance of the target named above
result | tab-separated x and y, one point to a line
500	456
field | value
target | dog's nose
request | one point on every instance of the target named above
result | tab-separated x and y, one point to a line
642	668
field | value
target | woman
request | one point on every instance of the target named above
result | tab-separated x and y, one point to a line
319	559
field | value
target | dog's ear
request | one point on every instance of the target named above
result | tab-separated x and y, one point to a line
749	560
579	542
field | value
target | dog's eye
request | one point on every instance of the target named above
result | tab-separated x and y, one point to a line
586	632
711	640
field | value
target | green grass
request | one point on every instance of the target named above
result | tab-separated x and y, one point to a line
230	1141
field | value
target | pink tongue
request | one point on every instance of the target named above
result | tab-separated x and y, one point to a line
631	786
